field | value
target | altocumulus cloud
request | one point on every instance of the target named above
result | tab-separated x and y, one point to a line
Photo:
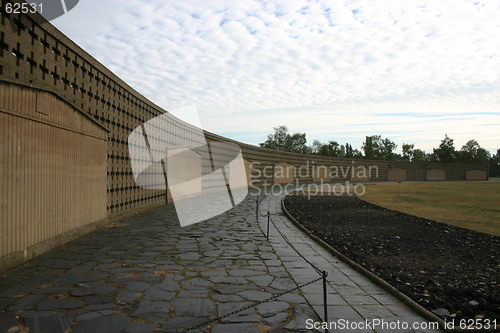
410	70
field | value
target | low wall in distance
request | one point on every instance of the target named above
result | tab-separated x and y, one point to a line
476	175
396	174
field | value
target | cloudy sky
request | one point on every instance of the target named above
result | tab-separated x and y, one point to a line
336	70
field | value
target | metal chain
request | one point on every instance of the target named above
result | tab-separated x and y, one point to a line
319	271
258	210
251	305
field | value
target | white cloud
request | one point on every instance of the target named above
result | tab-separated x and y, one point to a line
328	68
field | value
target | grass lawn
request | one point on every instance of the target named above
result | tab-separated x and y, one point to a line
472	205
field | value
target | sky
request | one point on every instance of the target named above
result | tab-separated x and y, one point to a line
411	71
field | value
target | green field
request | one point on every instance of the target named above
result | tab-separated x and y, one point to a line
472	205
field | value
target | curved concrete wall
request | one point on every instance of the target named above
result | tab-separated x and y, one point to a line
39	56
52	173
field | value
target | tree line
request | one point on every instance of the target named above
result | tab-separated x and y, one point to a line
377	148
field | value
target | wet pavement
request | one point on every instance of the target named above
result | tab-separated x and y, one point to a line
351	296
147	274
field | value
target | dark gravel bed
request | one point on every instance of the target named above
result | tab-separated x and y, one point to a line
451	271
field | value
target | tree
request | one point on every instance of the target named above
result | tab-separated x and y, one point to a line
325	150
446	151
472	152
338	150
333	149
408	150
387	148
412	154
372	147
316	146
356	153
297	143
277	140
494	164
348	150
420	156
282	140
376	148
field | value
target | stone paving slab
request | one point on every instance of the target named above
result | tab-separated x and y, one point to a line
350	294
147	274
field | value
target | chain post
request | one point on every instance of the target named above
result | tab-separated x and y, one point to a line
257	210
325	299
268	222
274	297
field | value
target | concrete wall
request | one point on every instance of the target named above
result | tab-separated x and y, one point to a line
396	174
476	175
322	174
53	172
435	174
283	173
40	57
248	171
360	174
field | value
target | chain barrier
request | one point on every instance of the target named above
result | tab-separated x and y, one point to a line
268	215
250	306
323	273
319	271
258	211
270	220
323	276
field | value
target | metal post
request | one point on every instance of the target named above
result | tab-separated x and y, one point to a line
257	210
325	299
268	220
